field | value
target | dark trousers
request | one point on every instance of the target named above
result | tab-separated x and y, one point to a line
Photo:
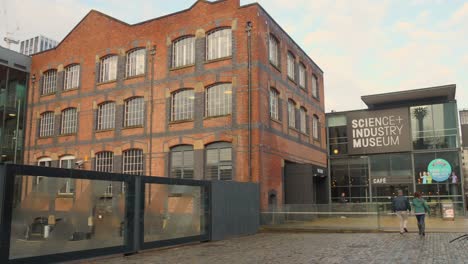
421	223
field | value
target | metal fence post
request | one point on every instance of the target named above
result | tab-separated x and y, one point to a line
378	217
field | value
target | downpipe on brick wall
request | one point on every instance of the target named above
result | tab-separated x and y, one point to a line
152	53
248	30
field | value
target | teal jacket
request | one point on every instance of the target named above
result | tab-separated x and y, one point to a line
420	206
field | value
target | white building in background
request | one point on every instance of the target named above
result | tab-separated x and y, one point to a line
36	44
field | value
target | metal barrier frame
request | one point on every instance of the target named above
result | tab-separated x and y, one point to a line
134	211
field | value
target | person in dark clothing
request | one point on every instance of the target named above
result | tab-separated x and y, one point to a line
420	210
401	207
343	198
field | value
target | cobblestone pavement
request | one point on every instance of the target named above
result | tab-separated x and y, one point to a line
312	248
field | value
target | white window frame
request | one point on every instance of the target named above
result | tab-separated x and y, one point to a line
38	179
71	77
314	86
183	51
183	103
303	120
47	124
69	124
134	112
291	114
218	100
219	164
135	62
101	163
49	82
274	104
315	127
291	66
273	53
302	75
108	69
133	163
219	44
68	182
106	116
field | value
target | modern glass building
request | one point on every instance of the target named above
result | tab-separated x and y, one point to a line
405	140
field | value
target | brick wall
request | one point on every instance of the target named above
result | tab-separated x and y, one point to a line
98	35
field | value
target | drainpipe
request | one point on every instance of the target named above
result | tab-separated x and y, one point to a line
248	30
33	79
152	53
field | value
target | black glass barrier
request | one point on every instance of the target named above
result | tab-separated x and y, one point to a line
65	214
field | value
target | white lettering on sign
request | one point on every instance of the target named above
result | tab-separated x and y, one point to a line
319	170
377	131
379	181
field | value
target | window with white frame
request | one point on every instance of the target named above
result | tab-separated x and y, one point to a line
135	62
274	104
219	44
69	121
43	162
72	77
302	75
303	120
46	124
106	116
291	65
134	112
292	114
464	117
183	51
315	127
182	161
219	161
182	105
49	82
104	162
218	100
68	185
108	68
133	161
274	51
314	86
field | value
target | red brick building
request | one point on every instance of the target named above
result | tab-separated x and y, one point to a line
170	97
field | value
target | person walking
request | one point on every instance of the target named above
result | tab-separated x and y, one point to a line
420	210
401	207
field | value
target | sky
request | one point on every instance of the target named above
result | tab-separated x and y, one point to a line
363	46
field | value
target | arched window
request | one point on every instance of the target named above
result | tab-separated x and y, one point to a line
303	120
46	124
134	112
104	161
106	116
219	161
218	100
291	113
69	121
72	77
49	82
291	66
315	127
43	162
219	43
273	53
135	62
108	68
182	105
68	185
182	161
133	161
302	76
183	51
274	104
315	86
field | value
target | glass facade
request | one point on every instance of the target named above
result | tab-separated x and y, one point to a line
13	85
432	167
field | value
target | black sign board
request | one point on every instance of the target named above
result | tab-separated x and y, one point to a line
379	131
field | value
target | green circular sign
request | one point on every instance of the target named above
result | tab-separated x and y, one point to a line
439	169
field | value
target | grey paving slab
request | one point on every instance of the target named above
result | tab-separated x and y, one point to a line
312	248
